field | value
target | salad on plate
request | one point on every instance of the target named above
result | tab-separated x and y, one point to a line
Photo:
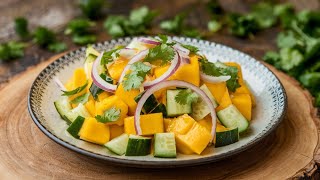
155	96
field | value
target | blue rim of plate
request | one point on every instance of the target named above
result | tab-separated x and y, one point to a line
151	164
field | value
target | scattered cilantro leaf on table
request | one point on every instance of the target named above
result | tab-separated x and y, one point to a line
186	96
57	47
21	27
92	8
11	50
110	115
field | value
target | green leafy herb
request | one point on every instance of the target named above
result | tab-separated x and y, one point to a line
92	8
174	25
192	49
163	52
212	69
286	14
108	57
75	91
264	15
43	36
79	26
84	39
243	25
186	96
57	47
11	50
21	27
134	79
137	23
214	8
81	99
110	115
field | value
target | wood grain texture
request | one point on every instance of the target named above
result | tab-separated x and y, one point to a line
25	152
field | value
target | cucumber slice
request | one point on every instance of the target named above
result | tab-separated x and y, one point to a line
230	117
174	108
63	107
118	145
165	145
227	137
161	108
75	127
200	108
91	51
138	146
149	105
80	110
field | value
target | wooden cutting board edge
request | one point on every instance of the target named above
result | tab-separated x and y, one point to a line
311	170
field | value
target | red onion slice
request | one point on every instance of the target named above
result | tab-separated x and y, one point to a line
175	64
135	58
149	41
97	80
214	79
59	84
183	51
174	83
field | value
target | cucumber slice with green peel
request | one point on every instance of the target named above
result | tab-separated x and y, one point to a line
80	110
91	51
150	103
138	146
231	117
165	145
75	127
173	107
161	108
227	137
118	145
63	107
200	108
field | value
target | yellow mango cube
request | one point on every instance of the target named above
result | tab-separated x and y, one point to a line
103	96
115	69
150	124
110	102
94	131
217	89
188	72
197	138
116	131
225	101
128	97
191	137
78	79
243	103
90	106
166	123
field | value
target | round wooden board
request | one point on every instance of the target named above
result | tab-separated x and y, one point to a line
25	152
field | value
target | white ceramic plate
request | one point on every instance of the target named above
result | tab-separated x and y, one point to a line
267	89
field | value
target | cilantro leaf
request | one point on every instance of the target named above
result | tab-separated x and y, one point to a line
79	26
84	39
110	115
75	91
108	57
92	8
11	50
263	13
242	25
214	25
174	25
21	27
192	49
212	69
81	99
186	96
57	47
163	52
134	79
43	36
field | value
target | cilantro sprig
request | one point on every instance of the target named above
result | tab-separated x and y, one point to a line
192	49
110	115
75	91
134	79
212	69
164	51
108	57
81	99
186	96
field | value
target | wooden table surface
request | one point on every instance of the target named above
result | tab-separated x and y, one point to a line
55	14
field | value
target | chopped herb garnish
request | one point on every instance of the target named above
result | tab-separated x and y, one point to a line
192	49
110	115
11	50
164	51
75	91
134	79
186	96
57	47
21	27
212	69
81	99
92	8
108	57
